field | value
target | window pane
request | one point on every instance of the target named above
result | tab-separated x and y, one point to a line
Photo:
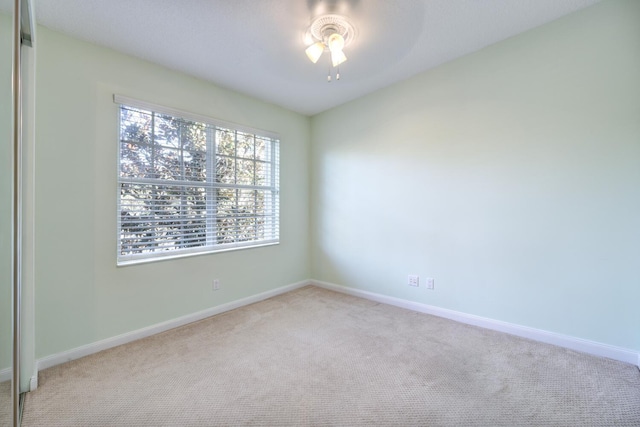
226	202
261	148
226	170
137	216
168	164
167	131
195	166
261	174
135	160
244	147
135	126
246	202
245	171
226	230
195	213
161	217
246	229
225	142
194	136
260	203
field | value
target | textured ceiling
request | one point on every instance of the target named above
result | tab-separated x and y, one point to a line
256	47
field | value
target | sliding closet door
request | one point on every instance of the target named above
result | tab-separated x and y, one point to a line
6	179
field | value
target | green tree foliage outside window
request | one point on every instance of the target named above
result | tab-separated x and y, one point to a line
189	187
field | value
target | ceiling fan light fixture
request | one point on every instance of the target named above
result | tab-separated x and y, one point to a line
335	42
338	57
330	33
315	51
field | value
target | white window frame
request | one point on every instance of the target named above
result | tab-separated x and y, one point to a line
272	221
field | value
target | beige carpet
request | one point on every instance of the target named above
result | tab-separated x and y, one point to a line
6	404
314	357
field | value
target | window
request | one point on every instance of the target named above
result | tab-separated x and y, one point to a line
188	184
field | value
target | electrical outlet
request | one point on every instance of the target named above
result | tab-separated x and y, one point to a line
430	282
216	284
414	280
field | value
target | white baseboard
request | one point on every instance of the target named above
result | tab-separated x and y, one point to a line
6	374
85	350
573	343
33	381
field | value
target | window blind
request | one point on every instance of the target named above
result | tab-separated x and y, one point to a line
189	185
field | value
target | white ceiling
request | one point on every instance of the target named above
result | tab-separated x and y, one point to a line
256	47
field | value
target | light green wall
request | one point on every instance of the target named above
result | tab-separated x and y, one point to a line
81	296
511	176
6	179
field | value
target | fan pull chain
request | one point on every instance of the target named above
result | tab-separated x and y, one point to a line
329	74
